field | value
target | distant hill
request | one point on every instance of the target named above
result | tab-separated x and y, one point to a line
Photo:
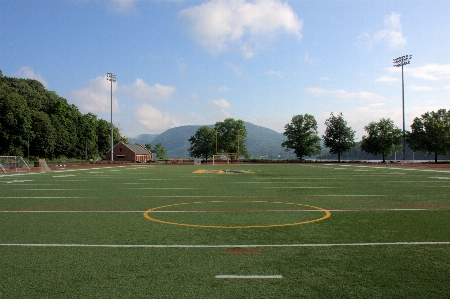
260	142
143	139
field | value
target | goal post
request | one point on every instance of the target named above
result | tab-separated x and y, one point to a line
43	167
225	157
13	163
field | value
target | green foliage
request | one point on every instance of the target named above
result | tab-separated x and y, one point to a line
302	136
15	120
338	136
148	146
383	138
231	135
160	151
431	133
203	143
41	120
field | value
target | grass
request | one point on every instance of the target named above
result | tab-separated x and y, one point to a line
84	233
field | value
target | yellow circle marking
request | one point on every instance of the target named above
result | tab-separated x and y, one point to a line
147	216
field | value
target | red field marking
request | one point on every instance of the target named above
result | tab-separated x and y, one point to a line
243	251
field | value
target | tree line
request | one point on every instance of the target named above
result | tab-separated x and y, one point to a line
429	133
39	122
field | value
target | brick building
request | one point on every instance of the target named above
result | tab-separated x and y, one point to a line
134	153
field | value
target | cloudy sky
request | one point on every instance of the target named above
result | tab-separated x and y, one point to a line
186	62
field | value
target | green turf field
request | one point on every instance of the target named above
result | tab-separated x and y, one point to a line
248	231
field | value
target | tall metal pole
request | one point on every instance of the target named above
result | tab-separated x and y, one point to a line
401	61
111	77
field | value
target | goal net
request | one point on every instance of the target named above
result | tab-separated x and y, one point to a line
197	161
43	167
225	158
13	163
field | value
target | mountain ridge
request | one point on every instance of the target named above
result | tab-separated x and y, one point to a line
260	141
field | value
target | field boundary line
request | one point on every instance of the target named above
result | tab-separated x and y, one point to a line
204	211
249	276
219	245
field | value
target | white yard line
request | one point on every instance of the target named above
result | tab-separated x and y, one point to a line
305	187
220	245
204	211
32	197
250	276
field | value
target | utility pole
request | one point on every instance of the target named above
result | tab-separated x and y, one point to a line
111	77
400	62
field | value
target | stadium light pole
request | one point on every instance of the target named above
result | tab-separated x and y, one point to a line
111	77
400	62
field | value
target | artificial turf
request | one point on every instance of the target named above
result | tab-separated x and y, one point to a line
167	232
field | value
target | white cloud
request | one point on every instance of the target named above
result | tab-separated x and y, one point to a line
391	34
125	7
219	25
386	79
274	73
155	120
95	96
345	95
144	92
420	88
222	103
28	73
223	89
307	58
430	71
237	70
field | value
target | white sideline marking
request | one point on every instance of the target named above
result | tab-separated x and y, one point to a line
220	245
45	197
156	179
163	188
300	187
250	276
54	189
203	211
19	181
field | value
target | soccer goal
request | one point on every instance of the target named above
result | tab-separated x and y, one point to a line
197	161
43	167
225	158
13	163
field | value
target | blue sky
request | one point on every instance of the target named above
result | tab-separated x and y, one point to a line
198	62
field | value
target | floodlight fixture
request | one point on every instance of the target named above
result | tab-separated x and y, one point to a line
111	77
400	62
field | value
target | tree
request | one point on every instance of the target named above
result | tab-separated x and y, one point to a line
15	120
160	151
338	137
103	137
302	136
431	133
43	139
203	143
148	146
383	138
43	121
231	137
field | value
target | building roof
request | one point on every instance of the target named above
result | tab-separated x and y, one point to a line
138	149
